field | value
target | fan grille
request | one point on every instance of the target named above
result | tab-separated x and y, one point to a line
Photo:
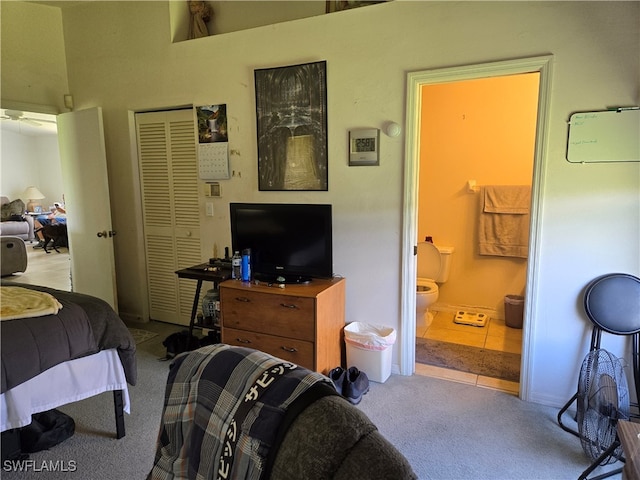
603	399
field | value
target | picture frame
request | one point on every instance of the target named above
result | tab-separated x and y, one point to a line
291	115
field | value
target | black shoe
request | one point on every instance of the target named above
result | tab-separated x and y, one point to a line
337	378
356	384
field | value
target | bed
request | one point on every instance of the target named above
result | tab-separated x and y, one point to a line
54	358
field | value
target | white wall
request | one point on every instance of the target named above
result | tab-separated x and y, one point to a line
119	56
32	45
27	160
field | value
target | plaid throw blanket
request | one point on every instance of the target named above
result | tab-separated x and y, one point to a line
222	411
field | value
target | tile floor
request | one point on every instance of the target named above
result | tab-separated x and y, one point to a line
51	270
495	335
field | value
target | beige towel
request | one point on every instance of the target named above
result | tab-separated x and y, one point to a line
507	199
504	221
18	302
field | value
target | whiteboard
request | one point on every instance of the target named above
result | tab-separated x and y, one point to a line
609	136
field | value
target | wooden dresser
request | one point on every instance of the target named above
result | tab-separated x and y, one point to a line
301	324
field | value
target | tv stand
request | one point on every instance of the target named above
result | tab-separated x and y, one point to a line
300	323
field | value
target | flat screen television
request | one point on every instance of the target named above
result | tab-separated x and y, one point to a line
290	243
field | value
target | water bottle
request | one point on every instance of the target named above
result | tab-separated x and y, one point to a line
246	265
236	269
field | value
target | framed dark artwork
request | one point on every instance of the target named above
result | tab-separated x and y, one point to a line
291	111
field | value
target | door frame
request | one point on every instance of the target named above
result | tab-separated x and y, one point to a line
415	81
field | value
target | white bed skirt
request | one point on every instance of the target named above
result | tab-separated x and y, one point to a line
64	383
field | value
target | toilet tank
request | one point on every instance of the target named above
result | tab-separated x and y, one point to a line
446	253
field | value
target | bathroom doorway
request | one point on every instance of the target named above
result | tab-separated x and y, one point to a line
474	133
416	82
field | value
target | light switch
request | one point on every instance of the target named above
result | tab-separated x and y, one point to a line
209	209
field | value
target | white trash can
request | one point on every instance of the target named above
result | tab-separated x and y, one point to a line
369	349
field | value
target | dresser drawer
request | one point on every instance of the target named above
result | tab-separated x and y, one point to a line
291	350
283	315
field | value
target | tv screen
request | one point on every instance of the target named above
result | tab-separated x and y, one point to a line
290	243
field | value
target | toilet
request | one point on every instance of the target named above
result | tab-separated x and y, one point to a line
433	266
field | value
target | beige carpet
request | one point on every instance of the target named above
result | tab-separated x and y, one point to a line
140	335
480	361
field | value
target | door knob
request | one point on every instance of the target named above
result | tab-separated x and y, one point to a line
102	234
112	233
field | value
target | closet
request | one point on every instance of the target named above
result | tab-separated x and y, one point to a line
167	157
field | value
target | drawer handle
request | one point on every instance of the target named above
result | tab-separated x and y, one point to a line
243	299
242	340
289	349
288	305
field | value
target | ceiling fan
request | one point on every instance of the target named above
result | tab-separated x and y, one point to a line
19	116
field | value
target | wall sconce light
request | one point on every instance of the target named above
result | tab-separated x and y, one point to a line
32	193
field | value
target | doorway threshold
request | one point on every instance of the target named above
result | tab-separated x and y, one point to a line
481	381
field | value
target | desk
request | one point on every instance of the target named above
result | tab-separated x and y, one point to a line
202	273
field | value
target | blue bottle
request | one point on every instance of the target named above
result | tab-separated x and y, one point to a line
245	265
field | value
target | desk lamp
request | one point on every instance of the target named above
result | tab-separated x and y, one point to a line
33	194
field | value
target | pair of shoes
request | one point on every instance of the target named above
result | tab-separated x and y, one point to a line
356	384
352	384
337	376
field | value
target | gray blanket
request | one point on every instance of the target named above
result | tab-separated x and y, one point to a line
85	325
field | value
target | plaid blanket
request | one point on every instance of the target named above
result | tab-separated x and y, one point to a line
222	412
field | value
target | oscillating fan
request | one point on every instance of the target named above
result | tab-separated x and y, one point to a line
602	400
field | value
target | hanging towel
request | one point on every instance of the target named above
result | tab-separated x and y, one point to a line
513	199
504	220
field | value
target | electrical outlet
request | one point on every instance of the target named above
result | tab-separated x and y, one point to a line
209	209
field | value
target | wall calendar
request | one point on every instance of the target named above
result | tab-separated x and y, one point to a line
213	142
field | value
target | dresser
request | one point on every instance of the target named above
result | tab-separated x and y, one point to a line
301	324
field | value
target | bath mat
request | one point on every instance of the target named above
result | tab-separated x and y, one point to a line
470	318
142	335
480	361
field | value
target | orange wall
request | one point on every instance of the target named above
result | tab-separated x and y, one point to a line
481	130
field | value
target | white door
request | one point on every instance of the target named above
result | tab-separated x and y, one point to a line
169	183
84	172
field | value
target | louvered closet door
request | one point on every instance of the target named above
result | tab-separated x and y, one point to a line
169	184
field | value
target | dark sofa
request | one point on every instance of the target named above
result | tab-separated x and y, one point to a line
333	439
250	415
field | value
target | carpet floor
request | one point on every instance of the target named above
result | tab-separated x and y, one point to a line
140	335
479	361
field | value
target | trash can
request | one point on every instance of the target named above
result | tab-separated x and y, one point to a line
369	349
513	310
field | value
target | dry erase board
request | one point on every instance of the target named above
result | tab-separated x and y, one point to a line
610	136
